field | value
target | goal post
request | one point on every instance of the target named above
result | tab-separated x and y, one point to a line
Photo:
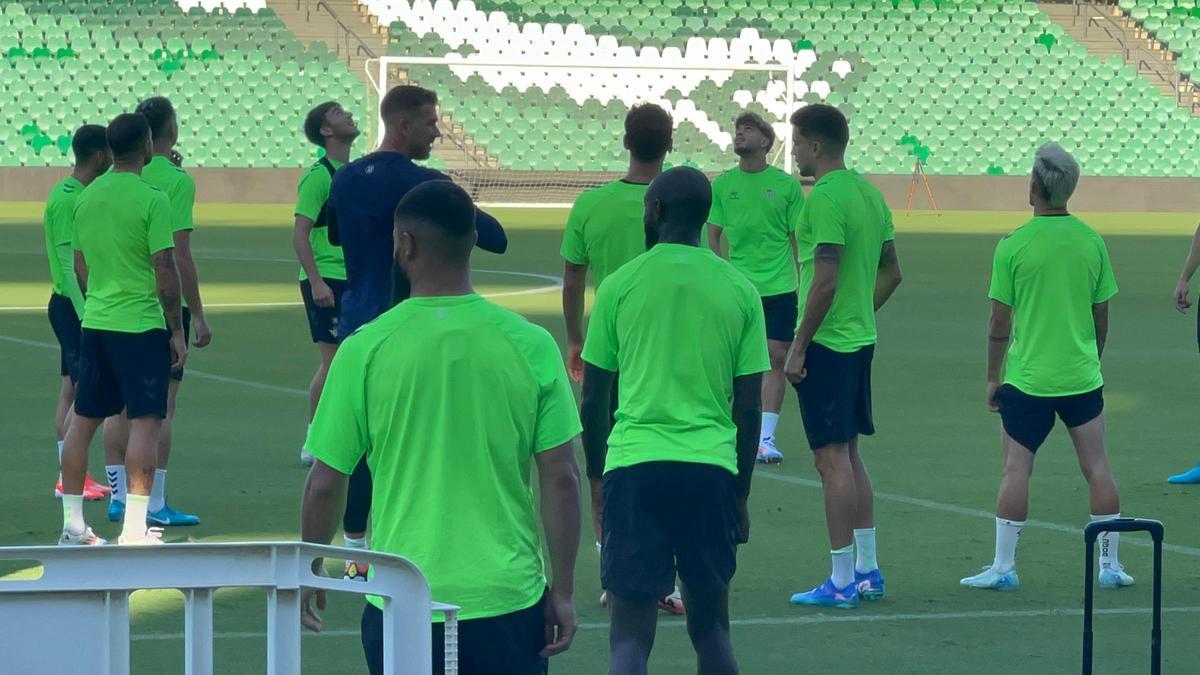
524	133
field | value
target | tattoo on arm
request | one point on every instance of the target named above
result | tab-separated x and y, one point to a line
167	275
829	253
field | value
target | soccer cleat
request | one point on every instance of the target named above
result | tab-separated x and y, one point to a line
353	572
169	517
673	603
827	595
870	584
151	537
116	511
1114	577
306	457
990	579
768	453
1189	477
92	491
85	538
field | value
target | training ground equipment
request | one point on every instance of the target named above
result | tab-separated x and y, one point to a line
1090	533
80	603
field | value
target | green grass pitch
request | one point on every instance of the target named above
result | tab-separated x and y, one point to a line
935	461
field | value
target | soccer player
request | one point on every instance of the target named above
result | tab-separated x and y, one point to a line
1183	302
92	159
685	331
1051	283
164	173
127	349
363	198
604	231
846	237
756	207
322	267
398	393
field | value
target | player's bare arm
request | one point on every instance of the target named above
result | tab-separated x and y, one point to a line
573	292
189	280
594	411
715	232
558	480
747	416
827	259
1182	291
302	229
321	514
1100	319
166	275
81	271
999	334
888	278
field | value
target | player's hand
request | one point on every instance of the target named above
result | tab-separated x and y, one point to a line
575	362
597	486
322	294
201	333
993	388
794	368
176	158
560	623
308	616
743	521
179	350
1182	302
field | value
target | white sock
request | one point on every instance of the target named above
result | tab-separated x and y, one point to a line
1007	533
1108	543
60	447
73	513
769	422
135	516
116	481
356	542
158	491
864	546
843	566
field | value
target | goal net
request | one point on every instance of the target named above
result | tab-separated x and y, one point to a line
539	133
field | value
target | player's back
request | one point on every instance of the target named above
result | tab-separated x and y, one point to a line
605	229
678	323
1051	271
455	390
58	221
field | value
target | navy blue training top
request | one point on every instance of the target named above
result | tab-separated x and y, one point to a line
362	204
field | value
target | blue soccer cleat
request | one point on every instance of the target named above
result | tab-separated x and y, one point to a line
827	595
116	511
1190	477
992	580
1114	577
870	584
169	517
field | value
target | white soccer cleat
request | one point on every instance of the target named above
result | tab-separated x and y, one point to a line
85	538
992	580
768	453
673	603
306	458
1114	577
151	537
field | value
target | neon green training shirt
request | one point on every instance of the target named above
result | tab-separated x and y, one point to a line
1051	270
758	212
311	194
180	189
844	208
450	398
120	221
59	223
678	323
606	229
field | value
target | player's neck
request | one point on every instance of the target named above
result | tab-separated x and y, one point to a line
642	172
829	167
84	175
337	151
753	164
133	166
686	236
1047	210
163	150
442	282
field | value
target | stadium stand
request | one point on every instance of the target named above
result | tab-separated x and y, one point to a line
1174	23
972	85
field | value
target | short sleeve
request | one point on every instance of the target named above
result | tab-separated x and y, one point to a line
716	215
600	347
557	414
159	236
1106	283
181	205
312	193
889	230
339	436
1001	289
752	356
826	221
795	207
574	249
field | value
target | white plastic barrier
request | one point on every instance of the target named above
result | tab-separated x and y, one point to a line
79	607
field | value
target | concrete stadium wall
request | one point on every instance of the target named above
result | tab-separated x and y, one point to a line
967	193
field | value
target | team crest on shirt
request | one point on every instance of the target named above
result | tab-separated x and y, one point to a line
733	195
769	194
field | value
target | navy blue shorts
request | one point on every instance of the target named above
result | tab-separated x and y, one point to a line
835	397
1029	419
123	371
323	321
65	324
781	312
